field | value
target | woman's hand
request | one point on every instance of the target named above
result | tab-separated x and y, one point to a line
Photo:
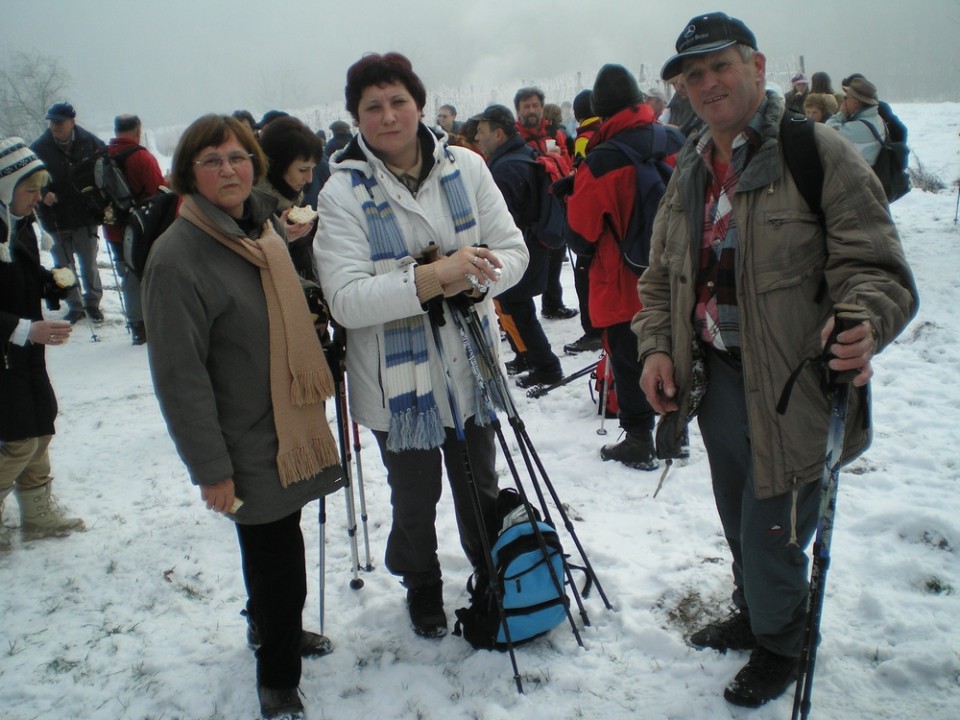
294	231
49	332
218	497
454	271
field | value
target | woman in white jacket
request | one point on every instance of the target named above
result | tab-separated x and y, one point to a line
404	222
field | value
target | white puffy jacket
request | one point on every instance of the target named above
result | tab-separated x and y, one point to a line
363	302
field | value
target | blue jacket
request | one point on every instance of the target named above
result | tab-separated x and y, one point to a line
516	173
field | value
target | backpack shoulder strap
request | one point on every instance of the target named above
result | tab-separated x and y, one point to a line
872	129
803	160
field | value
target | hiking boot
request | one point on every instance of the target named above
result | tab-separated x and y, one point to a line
138	333
74	316
95	314
539	377
731	633
518	365
634	451
765	677
585	343
560	313
425	605
41	515
280	703
311	644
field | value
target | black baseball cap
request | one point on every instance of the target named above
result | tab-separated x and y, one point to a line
706	34
499	116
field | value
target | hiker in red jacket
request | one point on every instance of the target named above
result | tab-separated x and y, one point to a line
599	212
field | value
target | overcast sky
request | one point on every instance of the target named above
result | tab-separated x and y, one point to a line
172	60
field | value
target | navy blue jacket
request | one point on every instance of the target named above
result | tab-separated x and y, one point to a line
516	173
70	212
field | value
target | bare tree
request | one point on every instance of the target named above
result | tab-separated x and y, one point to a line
29	83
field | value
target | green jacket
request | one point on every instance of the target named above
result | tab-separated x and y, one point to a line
790	274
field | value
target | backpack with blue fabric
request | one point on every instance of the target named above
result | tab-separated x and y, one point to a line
531	582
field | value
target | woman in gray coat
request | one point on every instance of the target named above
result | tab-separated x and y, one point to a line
241	379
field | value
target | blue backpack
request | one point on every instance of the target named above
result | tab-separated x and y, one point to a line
531	602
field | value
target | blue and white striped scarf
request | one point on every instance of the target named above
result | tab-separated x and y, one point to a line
415	422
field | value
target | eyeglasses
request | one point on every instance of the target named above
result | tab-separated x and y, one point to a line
213	163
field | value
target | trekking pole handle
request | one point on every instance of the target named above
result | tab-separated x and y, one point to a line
845	317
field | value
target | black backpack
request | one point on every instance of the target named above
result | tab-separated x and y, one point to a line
891	165
145	223
552	172
102	184
526	580
653	174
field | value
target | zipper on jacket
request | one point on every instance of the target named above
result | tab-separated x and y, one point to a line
383	394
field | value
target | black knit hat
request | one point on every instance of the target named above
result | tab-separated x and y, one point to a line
613	90
582	109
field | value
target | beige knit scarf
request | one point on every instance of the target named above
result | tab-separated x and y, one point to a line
300	379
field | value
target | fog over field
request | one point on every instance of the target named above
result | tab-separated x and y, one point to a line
174	60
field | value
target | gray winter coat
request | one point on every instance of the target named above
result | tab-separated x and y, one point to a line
210	361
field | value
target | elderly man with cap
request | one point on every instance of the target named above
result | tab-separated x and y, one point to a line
743	274
858	113
143	175
62	148
27	403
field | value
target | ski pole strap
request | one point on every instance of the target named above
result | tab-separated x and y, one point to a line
845	316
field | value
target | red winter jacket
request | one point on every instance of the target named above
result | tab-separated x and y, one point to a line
537	138
142	171
600	207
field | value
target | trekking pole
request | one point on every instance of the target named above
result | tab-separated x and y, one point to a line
523	438
322	563
477	510
73	269
846	317
490	402
343	436
363	500
541	390
116	279
607	379
956	213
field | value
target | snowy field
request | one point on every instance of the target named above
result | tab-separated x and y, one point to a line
138	617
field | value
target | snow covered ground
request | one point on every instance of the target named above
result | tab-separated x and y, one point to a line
138	617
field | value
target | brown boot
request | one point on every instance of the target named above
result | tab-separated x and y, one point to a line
41	516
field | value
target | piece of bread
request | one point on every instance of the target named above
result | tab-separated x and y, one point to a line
299	215
64	277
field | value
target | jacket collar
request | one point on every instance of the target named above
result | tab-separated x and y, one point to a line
358	156
259	205
631	116
763	167
510	145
